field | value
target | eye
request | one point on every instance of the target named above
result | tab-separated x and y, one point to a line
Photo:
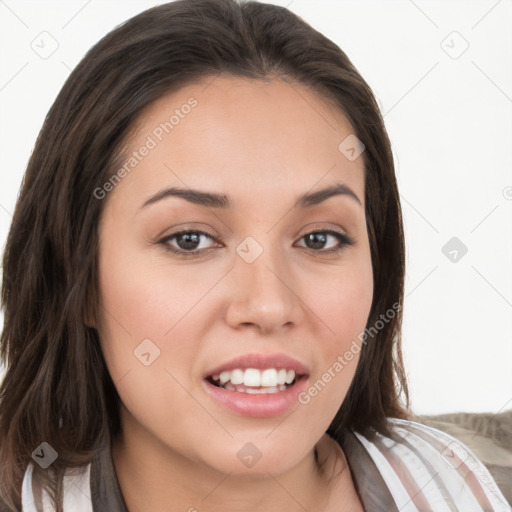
188	242
317	239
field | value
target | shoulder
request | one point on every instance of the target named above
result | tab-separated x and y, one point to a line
427	469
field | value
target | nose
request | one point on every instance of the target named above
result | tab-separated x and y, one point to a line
263	293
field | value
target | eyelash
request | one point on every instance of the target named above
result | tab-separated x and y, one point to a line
343	239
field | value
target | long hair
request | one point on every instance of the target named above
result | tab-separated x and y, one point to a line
57	388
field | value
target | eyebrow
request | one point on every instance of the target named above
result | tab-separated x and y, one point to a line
213	200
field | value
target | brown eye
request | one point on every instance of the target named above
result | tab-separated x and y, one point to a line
187	242
316	240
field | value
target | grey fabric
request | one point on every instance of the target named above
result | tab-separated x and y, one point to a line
370	486
106	494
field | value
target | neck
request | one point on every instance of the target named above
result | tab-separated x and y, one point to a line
154	477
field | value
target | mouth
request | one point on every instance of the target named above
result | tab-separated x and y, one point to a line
256	381
257	385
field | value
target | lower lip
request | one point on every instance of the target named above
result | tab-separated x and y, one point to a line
257	406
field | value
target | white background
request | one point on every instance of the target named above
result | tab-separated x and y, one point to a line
450	123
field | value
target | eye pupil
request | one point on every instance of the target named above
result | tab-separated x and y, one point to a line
314	238
187	237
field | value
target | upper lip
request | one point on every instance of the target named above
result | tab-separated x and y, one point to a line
260	361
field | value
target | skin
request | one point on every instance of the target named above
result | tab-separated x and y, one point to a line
262	143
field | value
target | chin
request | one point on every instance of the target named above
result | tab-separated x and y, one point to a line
254	456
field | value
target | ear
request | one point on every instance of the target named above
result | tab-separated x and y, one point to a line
89	321
89	315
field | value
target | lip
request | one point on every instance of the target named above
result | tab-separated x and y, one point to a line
260	361
258	405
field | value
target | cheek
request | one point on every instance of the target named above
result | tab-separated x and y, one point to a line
135	307
343	303
347	309
139	311
141	295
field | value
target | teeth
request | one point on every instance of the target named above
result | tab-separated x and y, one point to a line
271	378
224	377
252	377
237	377
253	391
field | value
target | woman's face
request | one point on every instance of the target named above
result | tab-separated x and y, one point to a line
258	287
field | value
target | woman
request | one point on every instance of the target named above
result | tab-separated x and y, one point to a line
203	285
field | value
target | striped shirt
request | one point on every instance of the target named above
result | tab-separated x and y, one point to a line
415	469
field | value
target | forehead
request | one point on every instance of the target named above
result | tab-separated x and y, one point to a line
253	137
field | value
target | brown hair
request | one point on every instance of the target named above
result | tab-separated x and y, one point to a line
57	387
